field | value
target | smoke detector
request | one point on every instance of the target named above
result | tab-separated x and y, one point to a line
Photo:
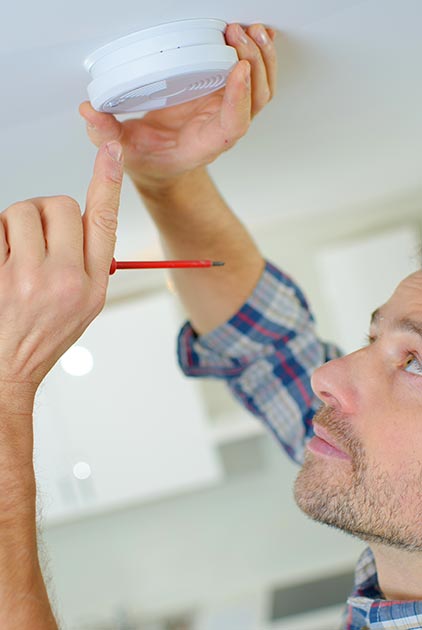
160	66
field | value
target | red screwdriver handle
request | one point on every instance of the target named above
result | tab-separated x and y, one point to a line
113	266
162	264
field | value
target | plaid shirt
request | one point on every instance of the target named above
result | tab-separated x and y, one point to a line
267	353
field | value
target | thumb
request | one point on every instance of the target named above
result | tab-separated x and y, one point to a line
102	205
235	114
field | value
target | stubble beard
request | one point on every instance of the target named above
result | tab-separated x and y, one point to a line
351	496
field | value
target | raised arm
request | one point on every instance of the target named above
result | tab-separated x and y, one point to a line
166	153
268	350
195	222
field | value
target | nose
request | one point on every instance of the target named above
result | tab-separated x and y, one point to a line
336	383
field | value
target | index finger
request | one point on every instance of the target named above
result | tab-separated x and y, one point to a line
102	206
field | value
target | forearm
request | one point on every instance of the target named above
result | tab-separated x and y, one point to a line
194	221
47	299
23	598
24	602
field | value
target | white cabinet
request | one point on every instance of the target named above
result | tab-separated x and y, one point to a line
134	424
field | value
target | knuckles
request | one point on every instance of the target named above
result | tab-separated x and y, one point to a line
25	208
35	205
20	205
65	202
105	219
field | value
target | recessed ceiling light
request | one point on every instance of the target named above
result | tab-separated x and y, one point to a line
82	470
77	361
161	66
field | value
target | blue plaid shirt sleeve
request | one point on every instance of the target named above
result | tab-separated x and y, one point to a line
266	353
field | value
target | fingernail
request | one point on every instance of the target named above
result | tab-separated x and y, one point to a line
90	126
115	150
241	35
261	36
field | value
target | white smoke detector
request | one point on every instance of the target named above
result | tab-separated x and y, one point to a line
160	66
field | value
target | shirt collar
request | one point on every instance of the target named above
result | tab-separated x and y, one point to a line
370	605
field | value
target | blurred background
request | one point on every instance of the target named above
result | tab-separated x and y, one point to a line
163	505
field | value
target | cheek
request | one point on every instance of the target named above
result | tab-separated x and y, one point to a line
389	423
394	443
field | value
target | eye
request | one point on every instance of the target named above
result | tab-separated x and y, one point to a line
413	365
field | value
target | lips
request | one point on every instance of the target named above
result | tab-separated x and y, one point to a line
324	444
324	435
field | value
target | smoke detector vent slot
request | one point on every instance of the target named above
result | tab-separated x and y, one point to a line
161	66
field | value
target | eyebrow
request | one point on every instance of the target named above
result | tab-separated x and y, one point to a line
409	325
405	323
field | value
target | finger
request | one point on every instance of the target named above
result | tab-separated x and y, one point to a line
265	41
25	235
235	114
249	50
63	231
102	205
101	127
4	245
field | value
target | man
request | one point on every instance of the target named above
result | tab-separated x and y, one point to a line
250	324
363	474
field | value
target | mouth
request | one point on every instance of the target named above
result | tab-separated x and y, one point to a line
323	444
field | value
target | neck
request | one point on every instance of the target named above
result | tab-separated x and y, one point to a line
399	573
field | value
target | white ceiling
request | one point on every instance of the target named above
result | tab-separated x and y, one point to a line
344	129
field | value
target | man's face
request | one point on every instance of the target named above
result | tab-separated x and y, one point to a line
371	485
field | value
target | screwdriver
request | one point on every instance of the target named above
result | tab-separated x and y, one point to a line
162	264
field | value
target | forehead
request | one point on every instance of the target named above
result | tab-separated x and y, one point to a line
406	300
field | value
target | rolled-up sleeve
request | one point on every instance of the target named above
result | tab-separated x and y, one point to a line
266	353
